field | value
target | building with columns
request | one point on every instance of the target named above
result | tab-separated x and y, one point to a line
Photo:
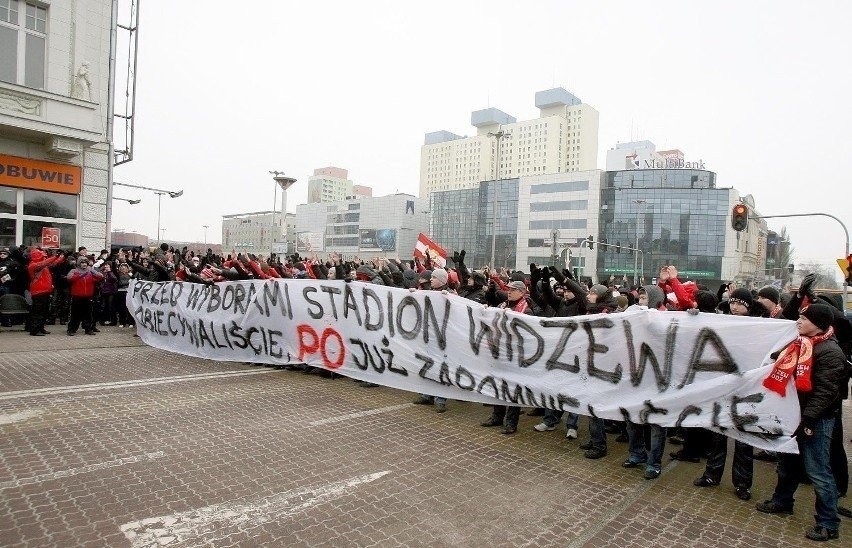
55	108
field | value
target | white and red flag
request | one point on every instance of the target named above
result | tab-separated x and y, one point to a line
436	252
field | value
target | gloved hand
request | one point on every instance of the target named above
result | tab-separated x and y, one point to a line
806	285
554	272
568	274
462	253
535	274
805	430
456	258
545	275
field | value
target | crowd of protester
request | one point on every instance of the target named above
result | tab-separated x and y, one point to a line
77	289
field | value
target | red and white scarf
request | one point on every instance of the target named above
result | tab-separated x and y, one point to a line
796	360
521	306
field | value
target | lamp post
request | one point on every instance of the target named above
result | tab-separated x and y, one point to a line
499	136
128	200
636	255
159	192
285	183
205	233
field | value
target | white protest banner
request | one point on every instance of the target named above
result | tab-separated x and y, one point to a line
667	368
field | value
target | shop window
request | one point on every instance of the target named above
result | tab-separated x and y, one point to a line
32	233
7	232
50	204
8	200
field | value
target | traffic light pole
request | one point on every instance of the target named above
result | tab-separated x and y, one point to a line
845	230
641	256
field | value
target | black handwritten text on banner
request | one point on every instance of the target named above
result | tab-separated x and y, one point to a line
667	368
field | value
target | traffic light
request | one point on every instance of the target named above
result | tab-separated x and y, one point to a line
591	241
739	217
618	247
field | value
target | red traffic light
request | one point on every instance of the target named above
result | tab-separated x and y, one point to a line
739	217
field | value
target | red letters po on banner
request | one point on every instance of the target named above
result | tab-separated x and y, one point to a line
310	343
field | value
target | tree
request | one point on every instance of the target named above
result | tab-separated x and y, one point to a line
825	274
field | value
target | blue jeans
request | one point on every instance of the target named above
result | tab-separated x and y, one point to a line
814	454
552	418
638	452
597	431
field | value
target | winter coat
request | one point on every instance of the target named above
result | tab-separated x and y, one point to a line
83	282
828	379
41	280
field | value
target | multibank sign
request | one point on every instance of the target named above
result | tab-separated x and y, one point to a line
667	163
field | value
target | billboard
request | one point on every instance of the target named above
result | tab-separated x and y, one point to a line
309	242
378	239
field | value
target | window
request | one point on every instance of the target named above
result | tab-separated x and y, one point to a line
23	43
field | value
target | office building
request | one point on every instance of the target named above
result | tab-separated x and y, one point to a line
563	139
385	226
332	184
259	233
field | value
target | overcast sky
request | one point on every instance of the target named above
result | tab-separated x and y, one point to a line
230	90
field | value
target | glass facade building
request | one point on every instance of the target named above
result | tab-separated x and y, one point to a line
464	219
676	216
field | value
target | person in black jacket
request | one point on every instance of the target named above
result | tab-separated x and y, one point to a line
819	367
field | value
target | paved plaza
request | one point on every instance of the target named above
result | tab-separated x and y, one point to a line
107	442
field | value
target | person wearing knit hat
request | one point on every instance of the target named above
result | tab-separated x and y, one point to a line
816	366
768	298
438	279
740	302
742	470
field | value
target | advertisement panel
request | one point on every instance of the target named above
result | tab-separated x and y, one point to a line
50	238
381	239
39	175
309	242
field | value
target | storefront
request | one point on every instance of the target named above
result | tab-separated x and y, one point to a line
36	195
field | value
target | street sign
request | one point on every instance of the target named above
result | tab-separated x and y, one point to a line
50	238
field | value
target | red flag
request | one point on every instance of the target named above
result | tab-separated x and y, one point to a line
436	252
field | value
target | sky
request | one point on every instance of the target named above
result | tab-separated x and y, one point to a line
227	91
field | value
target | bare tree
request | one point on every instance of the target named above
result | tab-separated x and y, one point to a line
825	275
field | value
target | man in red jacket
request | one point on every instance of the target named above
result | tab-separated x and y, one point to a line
82	281
41	286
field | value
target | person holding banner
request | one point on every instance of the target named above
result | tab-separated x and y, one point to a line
516	300
817	366
740	303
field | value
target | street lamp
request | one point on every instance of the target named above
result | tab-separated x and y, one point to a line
205	233
284	182
499	136
636	255
128	200
159	192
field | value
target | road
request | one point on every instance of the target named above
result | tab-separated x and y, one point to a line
106	442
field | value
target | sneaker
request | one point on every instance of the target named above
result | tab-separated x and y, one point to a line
543	427
507	430
743	493
595	453
571	434
121	325
772	507
44	332
682	456
652	472
423	400
490	422
72	333
440	407
821	534
704	481
632	464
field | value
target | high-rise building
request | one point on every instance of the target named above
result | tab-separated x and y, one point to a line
564	138
332	184
55	106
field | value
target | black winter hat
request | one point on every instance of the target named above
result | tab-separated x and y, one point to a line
741	295
821	315
706	301
769	292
